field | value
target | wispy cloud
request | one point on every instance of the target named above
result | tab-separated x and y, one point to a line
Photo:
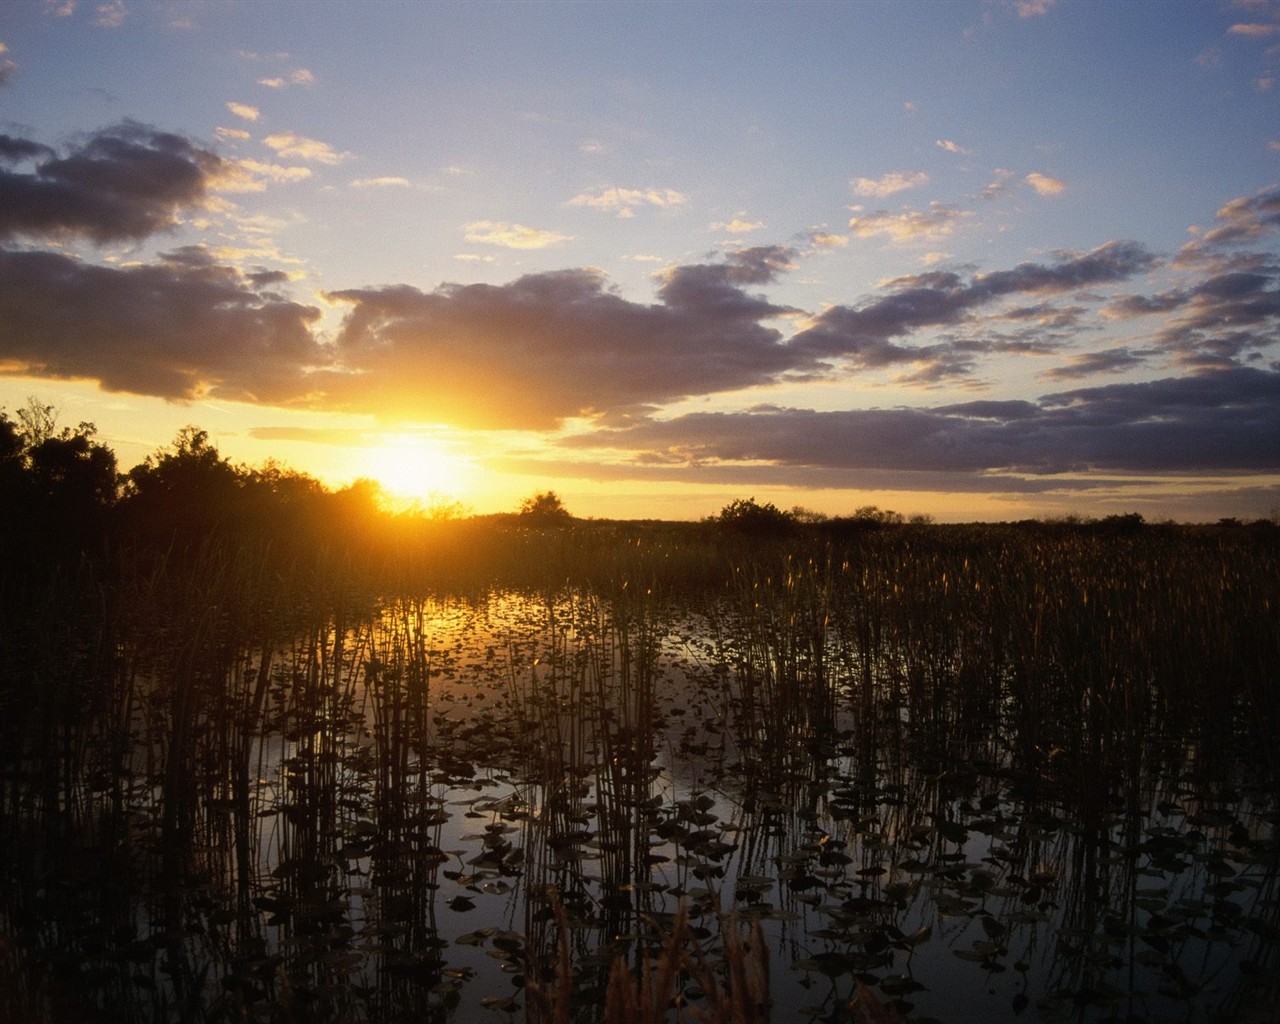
911	226
1033	8
299	76
1044	185
387	181
512	236
738	226
1243	219
110	14
952	147
302	148
888	184
625	201
1110	360
244	110
828	240
1254	29
254	176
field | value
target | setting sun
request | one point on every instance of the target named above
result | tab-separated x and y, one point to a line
413	469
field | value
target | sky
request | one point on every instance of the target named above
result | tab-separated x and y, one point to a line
977	260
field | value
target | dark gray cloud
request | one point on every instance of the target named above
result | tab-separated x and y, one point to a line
716	289
1127	307
180	328
14	150
1226	319
864	336
1110	360
559	344
1243	220
1214	422
121	183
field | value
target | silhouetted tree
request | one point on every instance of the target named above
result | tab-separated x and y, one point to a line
57	489
544	509
748	516
185	492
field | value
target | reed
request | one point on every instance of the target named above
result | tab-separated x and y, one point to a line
731	989
232	782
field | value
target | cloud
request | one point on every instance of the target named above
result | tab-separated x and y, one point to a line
254	55
1033	8
911	226
625	200
120	183
888	184
1128	306
299	76
253	176
998	186
1210	423
554	345
1223	319
1044	185
512	236
1254	30
243	110
826	240
1111	360
563	344
864	335
110	14
1243	219
383	182
180	329
232	133
952	147
16	151
737	226
7	70
536	351
302	148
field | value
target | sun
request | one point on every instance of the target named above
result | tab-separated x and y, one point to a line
412	469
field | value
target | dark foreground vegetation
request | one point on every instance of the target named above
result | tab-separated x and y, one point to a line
268	753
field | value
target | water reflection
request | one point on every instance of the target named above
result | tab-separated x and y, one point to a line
415	813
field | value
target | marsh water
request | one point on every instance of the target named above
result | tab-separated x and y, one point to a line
417	809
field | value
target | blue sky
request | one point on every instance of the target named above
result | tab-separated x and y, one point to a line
981	260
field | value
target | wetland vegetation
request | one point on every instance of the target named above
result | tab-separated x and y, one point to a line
270	754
